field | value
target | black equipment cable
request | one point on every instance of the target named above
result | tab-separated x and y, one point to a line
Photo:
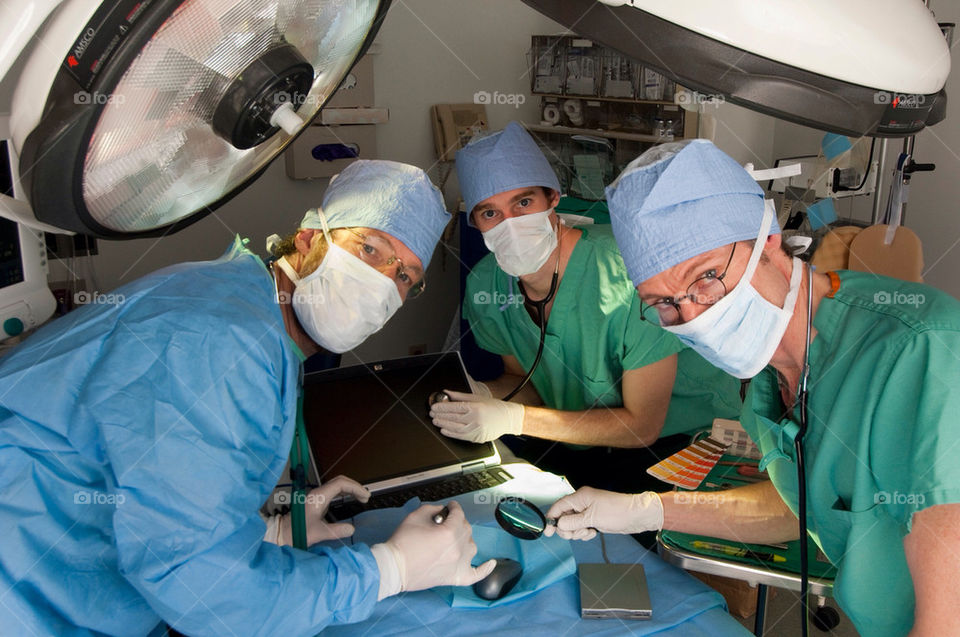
801	469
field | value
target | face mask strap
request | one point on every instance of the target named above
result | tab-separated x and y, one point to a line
765	223
323	225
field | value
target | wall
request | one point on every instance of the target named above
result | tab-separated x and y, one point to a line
745	135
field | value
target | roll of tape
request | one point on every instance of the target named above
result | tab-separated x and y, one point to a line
574	112
551	114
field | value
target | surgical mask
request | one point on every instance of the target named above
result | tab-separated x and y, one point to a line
522	244
342	302
740	332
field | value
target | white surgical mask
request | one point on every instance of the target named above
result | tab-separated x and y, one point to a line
522	244
741	332
342	302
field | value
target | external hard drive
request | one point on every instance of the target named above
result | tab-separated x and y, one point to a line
614	591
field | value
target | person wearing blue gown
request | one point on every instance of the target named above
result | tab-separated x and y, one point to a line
140	438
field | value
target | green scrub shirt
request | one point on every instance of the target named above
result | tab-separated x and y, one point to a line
595	334
883	407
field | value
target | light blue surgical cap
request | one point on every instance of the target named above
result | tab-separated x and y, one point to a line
500	162
679	200
395	198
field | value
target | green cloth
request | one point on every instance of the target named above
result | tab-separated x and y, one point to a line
881	440
596	210
594	335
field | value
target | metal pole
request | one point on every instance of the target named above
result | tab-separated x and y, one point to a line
881	163
908	144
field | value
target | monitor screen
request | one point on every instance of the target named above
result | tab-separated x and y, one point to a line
11	262
371	422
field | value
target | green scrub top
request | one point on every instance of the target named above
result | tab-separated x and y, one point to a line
595	334
881	436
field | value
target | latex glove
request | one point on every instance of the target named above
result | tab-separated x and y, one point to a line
426	554
316	503
475	418
582	513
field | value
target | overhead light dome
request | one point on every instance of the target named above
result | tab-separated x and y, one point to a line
160	111
856	67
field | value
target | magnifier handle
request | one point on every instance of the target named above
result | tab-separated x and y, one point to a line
441	515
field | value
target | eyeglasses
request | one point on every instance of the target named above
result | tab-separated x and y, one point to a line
706	290
377	252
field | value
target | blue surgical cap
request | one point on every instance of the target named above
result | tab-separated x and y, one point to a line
500	162
395	198
679	200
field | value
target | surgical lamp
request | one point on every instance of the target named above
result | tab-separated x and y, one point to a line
859	67
133	118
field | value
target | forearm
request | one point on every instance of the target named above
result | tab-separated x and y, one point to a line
754	513
614	427
502	386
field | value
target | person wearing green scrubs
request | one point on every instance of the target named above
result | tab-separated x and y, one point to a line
605	379
883	480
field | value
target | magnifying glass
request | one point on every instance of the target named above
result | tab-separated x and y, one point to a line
522	519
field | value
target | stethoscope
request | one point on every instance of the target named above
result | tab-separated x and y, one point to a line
540	307
801	470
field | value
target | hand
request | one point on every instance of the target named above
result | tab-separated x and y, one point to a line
430	554
316	505
581	514
476	418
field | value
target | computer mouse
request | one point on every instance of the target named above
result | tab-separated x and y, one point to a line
500	581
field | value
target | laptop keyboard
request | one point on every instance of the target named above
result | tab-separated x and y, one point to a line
427	492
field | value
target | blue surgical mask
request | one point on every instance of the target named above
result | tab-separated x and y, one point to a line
740	333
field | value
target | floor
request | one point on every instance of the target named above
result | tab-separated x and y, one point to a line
783	618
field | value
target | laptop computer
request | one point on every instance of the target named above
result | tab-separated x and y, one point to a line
371	423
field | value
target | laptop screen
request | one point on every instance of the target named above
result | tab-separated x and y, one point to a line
371	422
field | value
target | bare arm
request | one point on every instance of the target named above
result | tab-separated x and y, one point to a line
933	556
646	396
753	513
513	373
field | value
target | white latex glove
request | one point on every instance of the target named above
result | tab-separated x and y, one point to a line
428	554
315	507
475	418
582	513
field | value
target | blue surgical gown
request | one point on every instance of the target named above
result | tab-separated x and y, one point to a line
882	434
138	440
